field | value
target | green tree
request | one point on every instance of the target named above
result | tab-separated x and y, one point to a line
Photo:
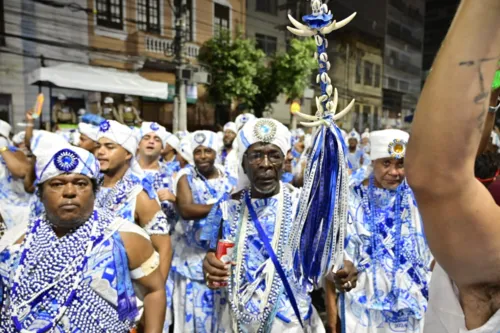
233	65
240	71
287	72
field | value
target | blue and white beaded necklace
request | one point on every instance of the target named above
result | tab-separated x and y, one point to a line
45	270
401	215
274	286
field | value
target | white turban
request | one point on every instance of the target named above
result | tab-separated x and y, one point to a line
230	126
353	135
89	130
185	150
5	129
242	119
120	134
151	127
173	141
265	130
19	138
388	143
57	161
44	141
109	100
365	135
207	139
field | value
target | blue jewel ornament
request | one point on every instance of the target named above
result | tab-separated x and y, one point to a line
104	126
66	160
154	126
199	138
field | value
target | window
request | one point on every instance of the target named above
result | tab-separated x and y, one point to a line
404	85
267	6
2	25
367	120
148	15
188	28
375	119
378	71
110	13
404	58
393	83
368	74
221	18
358	70
268	44
5	107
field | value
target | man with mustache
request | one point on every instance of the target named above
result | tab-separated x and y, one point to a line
256	298
74	267
126	192
386	243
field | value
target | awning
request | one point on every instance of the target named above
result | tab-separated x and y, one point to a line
90	78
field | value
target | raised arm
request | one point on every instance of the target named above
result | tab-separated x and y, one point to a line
188	210
462	222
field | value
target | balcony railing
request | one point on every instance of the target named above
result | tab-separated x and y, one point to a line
162	45
402	65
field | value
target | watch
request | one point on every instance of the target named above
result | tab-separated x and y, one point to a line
4	149
494	109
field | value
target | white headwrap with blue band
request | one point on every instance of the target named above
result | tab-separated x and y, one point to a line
57	161
207	139
265	130
89	130
119	133
152	127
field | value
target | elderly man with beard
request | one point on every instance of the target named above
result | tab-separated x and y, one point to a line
73	269
256	299
386	243
126	192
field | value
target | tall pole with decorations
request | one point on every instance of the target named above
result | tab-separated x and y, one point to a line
317	242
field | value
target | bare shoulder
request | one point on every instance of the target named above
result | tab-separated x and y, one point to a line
138	248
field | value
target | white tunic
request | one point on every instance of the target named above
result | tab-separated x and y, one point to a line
445	314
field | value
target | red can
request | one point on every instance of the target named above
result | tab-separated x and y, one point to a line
224	253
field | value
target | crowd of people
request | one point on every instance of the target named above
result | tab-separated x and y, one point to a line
135	229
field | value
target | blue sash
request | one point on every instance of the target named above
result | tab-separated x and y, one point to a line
274	258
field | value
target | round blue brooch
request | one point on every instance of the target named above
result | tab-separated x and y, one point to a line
199	138
104	126
66	160
265	130
397	149
154	127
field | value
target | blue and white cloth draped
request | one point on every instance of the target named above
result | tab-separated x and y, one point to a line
386	243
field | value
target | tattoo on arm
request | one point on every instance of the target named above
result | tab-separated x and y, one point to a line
482	97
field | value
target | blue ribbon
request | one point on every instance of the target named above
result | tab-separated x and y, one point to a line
274	258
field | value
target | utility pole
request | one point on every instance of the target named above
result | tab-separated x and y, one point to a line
180	105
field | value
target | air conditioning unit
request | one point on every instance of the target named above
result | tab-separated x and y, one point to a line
202	78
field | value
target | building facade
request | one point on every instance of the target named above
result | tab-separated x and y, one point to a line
38	35
402	60
138	35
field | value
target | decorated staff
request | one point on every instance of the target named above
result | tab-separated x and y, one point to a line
318	237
